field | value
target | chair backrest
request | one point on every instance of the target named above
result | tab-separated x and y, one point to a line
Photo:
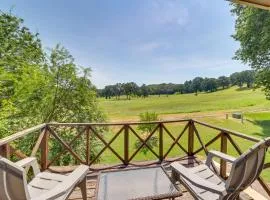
247	168
13	182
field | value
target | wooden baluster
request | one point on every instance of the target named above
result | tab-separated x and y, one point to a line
126	144
87	145
223	149
5	151
160	142
44	150
191	138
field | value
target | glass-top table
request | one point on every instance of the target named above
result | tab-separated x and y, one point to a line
142	183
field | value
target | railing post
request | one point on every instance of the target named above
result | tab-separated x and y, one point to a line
87	145
126	144
160	142
44	150
5	151
190	138
223	149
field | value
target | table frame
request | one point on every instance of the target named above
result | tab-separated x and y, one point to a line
153	197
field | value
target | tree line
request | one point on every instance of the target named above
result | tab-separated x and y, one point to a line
196	85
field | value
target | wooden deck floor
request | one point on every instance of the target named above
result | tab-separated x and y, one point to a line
92	180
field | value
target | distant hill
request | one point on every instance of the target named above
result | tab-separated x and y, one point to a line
232	98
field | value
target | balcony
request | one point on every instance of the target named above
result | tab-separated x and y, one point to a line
186	141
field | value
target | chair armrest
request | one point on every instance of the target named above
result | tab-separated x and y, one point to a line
29	162
218	154
66	186
196	180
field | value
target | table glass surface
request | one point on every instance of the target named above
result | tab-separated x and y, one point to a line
135	183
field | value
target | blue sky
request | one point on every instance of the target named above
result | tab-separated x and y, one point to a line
145	41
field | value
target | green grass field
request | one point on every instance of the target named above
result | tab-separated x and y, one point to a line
252	103
229	99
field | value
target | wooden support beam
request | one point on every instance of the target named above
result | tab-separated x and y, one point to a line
87	145
5	151
44	150
17	153
264	185
126	144
208	143
107	145
223	149
38	143
144	143
262	4
65	145
20	134
175	140
160	142
190	138
229	132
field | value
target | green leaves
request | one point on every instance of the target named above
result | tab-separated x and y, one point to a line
252	30
147	129
38	86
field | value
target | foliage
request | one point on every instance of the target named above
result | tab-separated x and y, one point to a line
147	117
239	78
223	82
147	129
210	85
130	88
144	91
252	30
20	52
39	86
196	85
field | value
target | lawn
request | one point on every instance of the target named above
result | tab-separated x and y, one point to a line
252	103
251	126
223	100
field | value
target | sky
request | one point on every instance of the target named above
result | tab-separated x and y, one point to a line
144	41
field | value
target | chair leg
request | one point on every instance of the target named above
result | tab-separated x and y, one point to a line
83	188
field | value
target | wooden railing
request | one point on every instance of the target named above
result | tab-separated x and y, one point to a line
194	143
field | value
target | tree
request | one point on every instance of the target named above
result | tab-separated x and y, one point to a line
118	90
130	88
209	85
188	87
39	87
20	52
237	78
146	130
197	84
252	30
144	90
223	82
108	91
249	77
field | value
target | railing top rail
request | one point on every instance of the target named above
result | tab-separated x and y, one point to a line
38	127
20	134
235	133
117	123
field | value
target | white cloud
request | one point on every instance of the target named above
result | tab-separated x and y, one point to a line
198	63
100	78
151	46
169	12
